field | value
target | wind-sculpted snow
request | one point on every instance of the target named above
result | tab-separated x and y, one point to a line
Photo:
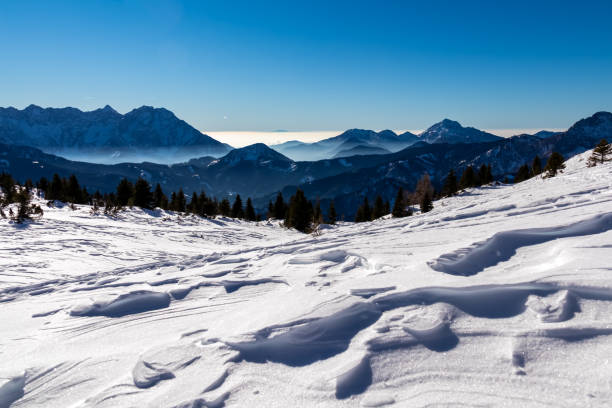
11	390
126	304
316	340
354	381
157	309
503	245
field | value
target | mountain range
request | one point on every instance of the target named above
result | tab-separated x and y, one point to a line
106	136
260	172
367	142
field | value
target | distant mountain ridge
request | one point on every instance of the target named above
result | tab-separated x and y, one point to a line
383	142
143	133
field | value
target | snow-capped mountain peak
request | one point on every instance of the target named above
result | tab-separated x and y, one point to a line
450	131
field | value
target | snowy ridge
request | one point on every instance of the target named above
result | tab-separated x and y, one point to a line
157	310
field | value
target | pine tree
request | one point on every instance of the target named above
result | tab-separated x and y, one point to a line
181	201
280	208
331	213
299	213
7	185
601	153
25	209
426	203
270	209
142	196
489	174
536	166
224	208
399	206
194	205
73	190
159	197
554	165
482	175
379	208
43	186
317	216
55	189
249	212
237	210
522	174
468	179
450	184
364	212
125	190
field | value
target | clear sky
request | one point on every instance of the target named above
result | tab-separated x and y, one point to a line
310	65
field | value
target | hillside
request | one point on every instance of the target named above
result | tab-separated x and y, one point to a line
498	297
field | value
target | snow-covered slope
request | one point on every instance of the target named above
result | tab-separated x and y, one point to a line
498	297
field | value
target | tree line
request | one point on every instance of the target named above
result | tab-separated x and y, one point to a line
299	212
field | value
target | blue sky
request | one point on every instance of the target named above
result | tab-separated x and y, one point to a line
260	66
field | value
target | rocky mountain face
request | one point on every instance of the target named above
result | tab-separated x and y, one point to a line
106	136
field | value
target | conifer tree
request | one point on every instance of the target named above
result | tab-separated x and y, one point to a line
194	205
317	215
482	175
270	209
450	184
249	212
554	165
522	174
7	184
426	203
159	197
142	196
181	201
237	210
536	166
379	208
299	213
25	209
55	189
125	190
43	186
73	190
387	207
364	212
399	206
489	174
280	208
172	205
601	153
468	179
331	213
224	208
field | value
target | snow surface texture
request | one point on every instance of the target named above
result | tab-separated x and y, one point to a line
498	297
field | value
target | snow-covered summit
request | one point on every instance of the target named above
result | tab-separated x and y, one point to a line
74	133
450	131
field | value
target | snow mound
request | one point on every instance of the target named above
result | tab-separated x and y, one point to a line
503	245
11	390
126	304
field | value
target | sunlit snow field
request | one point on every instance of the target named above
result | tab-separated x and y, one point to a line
501	296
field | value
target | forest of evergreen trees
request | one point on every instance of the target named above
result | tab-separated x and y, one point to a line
299	212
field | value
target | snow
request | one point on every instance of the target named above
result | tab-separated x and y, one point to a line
500	296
